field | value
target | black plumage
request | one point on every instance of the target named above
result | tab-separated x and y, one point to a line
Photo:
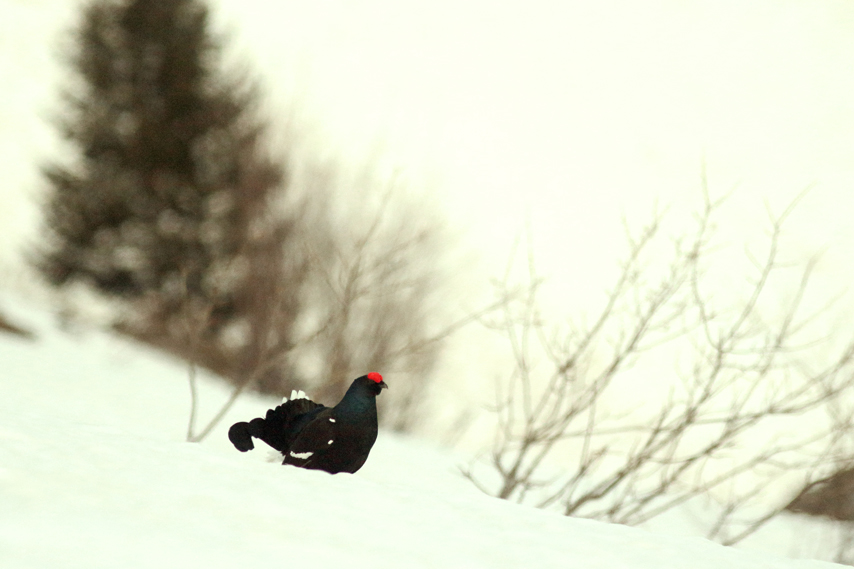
311	435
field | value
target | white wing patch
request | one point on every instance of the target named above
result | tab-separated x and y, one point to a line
331	420
330	442
301	455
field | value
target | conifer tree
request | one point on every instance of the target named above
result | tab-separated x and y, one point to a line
171	202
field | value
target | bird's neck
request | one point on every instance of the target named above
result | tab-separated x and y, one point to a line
356	406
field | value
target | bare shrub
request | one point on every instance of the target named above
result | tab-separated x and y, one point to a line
831	496
568	438
369	295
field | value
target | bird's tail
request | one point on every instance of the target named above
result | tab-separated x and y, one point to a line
239	436
277	428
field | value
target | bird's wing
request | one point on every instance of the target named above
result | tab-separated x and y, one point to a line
313	441
279	427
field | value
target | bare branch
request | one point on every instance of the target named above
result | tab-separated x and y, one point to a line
631	466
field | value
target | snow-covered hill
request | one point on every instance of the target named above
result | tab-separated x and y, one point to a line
94	473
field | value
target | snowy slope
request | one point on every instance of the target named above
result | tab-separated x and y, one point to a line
94	474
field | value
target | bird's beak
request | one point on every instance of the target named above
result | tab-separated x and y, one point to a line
382	385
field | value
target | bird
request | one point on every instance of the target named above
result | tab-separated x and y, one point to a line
313	436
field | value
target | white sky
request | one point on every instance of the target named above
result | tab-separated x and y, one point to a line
572	112
578	111
569	114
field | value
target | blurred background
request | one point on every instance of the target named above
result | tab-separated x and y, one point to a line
456	194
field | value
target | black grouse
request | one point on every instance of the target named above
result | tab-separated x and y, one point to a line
311	435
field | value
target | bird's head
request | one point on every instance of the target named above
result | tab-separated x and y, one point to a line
364	389
362	394
375	383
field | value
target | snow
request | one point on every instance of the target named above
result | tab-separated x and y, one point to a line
94	473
